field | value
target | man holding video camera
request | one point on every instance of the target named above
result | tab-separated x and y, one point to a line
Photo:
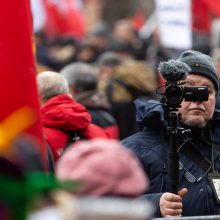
198	160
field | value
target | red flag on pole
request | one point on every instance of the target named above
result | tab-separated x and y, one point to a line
17	68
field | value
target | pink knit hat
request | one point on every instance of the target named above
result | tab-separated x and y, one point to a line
104	167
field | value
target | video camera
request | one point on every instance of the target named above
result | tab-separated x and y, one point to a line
174	72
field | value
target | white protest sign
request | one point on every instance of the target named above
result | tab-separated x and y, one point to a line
38	14
175	23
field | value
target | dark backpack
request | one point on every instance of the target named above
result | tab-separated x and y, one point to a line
73	138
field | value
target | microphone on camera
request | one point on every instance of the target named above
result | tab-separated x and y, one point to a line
174	70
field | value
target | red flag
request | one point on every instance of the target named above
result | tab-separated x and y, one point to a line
202	11
17	66
63	18
138	19
201	19
213	6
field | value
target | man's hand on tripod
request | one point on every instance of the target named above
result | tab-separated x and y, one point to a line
171	204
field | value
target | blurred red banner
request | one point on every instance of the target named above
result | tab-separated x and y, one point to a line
214	6
63	18
202	12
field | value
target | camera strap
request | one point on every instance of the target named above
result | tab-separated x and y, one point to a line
195	155
214	177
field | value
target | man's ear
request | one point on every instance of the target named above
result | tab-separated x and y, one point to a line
72	90
70	95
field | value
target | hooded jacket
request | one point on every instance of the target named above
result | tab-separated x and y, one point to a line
61	116
99	108
151	147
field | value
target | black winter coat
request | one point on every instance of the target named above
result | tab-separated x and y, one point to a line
151	147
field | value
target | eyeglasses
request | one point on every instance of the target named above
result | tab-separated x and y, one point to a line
190	177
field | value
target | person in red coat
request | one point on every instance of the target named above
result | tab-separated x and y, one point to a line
83	84
61	116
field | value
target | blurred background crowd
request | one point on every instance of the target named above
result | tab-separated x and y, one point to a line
133	36
93	59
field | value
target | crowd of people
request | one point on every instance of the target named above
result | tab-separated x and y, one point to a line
93	97
105	121
102	90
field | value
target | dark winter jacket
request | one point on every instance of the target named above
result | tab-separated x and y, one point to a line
99	109
61	116
151	147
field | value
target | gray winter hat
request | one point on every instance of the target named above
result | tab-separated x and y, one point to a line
200	64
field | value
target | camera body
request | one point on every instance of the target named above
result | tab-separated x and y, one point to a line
175	72
174	94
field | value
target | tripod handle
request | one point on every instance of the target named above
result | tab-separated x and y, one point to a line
173	172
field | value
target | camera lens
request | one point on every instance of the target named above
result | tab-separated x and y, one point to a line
174	94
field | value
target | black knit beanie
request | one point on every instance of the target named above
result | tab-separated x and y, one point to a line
200	64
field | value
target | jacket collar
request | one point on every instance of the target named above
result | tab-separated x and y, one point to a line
151	114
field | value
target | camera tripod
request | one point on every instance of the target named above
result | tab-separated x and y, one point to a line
173	157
